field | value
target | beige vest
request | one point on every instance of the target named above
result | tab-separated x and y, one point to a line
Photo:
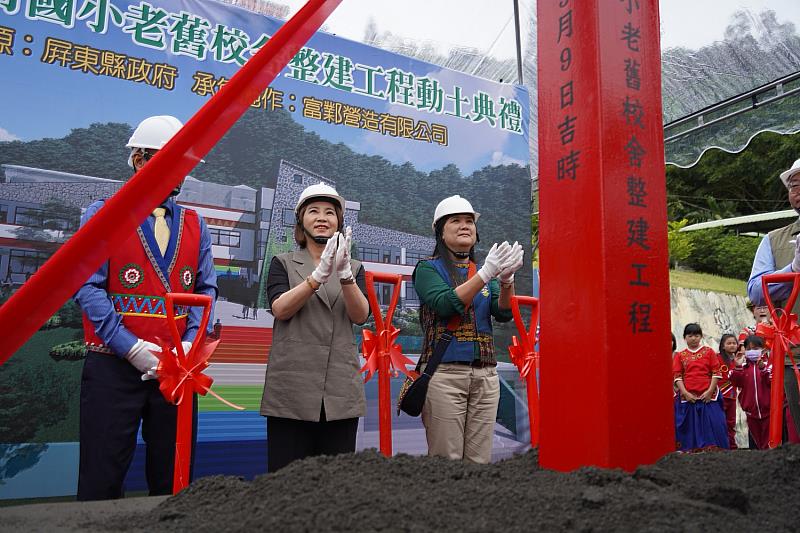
313	360
783	250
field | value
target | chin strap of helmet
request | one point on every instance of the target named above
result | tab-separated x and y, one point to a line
460	255
318	240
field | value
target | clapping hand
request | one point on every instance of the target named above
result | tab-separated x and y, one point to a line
343	269
512	263
325	267
494	261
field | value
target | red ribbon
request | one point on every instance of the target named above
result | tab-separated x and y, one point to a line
181	374
526	358
523	356
382	344
779	336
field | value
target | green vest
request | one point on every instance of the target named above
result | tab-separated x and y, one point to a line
783	254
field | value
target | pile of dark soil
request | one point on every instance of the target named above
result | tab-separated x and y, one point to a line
732	491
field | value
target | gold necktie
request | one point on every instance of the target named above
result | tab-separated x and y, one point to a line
161	229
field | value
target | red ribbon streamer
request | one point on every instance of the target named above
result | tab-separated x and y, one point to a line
779	336
525	358
377	345
73	263
181	374
524	355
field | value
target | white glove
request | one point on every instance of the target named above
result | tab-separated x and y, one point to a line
796	260
186	345
512	263
495	258
343	269
141	356
324	269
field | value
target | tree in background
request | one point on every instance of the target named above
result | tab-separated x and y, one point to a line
680	244
723	185
716	251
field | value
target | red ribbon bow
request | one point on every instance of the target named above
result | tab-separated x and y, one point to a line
382	344
522	350
181	375
779	335
523	355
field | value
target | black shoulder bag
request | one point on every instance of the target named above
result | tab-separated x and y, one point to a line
413	392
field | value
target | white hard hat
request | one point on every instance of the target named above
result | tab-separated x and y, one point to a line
786	174
453	205
153	133
320	190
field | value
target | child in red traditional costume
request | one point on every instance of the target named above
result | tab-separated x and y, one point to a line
699	416
728	346
753	376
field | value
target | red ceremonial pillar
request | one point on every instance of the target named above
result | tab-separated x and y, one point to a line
605	311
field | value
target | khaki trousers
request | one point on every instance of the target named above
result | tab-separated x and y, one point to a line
460	412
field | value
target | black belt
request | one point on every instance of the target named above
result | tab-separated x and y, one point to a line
476	363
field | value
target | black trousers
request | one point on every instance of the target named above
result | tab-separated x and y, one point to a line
114	401
791	395
289	440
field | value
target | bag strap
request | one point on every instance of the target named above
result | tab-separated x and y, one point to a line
447	336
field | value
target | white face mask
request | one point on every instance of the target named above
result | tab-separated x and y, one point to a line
752	355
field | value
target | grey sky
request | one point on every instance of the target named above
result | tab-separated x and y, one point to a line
485	24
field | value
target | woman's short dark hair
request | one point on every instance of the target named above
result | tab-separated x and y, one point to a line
754	341
692	328
300	236
674	342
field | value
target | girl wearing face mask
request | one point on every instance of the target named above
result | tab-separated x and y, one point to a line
728	346
699	416
753	377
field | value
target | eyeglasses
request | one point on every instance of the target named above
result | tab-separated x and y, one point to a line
793	187
147	156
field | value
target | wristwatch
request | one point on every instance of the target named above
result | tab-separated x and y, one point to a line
310	282
347	281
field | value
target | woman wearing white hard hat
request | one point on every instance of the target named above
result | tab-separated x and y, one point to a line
313	391
461	403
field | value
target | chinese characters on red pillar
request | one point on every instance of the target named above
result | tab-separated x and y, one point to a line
569	158
636	149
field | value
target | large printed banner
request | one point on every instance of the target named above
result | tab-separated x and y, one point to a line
392	134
